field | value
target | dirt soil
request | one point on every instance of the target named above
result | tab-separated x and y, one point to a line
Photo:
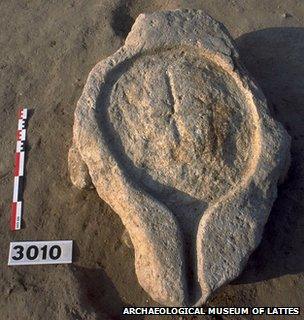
47	49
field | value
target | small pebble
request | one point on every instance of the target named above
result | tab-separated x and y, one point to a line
9	291
286	15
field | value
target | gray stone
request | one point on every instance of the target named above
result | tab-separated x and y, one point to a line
78	170
125	238
178	140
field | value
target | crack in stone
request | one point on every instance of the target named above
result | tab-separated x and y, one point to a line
171	91
173	105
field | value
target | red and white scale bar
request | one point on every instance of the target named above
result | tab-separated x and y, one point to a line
19	170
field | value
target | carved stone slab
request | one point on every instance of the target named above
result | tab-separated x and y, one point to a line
178	140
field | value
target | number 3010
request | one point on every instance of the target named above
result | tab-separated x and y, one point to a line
32	252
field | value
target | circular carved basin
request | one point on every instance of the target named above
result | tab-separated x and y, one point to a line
183	124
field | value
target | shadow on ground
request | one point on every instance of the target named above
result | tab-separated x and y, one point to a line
275	57
121	21
98	292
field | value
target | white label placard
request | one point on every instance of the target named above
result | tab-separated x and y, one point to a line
40	252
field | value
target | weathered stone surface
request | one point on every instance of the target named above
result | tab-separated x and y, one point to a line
78	170
178	140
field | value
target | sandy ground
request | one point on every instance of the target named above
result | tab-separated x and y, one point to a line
47	49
